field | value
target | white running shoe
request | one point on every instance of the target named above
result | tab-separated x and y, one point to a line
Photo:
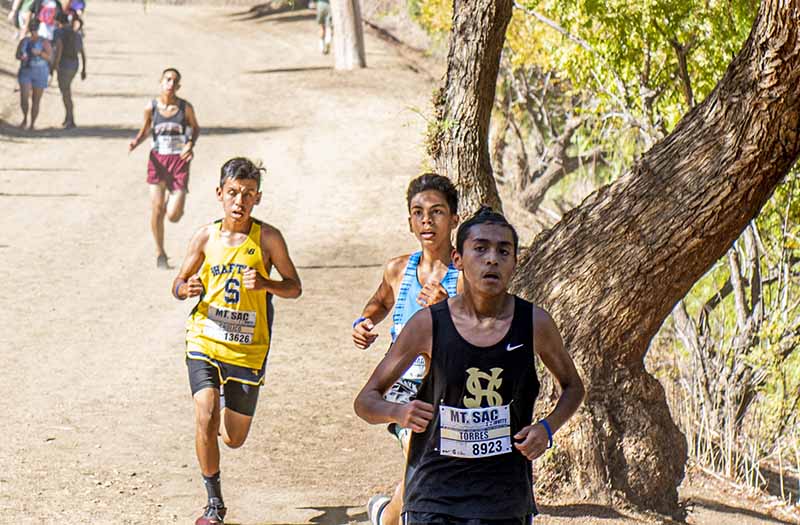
375	508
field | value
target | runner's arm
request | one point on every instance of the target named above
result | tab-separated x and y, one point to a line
148	120
382	301
369	405
18	54
188	148
191	119
274	248
187	283
550	349
379	305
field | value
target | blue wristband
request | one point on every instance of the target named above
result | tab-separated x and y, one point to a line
358	321
546	426
175	290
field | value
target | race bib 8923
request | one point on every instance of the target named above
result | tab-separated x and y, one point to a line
474	432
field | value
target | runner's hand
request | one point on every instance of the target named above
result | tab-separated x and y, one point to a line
194	286
415	415
187	153
252	280
132	145
362	334
432	293
532	441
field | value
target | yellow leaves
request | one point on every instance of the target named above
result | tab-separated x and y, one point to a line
533	43
435	16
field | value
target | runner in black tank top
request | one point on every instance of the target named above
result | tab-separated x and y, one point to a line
464	464
474	439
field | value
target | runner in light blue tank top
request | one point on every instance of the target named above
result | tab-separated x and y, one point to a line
411	283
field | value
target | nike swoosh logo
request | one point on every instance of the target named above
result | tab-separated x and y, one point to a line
509	348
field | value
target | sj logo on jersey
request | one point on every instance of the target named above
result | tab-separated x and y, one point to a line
475	387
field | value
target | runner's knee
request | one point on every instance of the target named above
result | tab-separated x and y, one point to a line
158	208
235	440
237	426
207	419
175	215
206	411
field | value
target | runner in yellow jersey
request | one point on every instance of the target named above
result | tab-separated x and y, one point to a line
228	334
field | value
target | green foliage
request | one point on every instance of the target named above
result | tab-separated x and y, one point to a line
625	54
619	58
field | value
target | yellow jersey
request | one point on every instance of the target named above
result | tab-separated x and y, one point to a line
230	323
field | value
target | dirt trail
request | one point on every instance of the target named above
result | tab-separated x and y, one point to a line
97	409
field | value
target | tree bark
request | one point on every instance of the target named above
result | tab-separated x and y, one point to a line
348	35
458	138
611	271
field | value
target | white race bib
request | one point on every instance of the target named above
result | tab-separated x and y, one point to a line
170	144
416	372
230	326
474	432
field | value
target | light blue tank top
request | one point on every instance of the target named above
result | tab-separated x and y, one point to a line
406	305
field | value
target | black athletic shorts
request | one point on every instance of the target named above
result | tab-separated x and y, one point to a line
234	395
433	518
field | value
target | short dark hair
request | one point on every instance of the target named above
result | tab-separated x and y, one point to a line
485	215
433	181
34	24
239	168
177	73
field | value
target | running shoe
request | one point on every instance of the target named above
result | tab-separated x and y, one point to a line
375	508
161	261
214	513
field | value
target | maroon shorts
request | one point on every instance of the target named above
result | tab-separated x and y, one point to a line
169	169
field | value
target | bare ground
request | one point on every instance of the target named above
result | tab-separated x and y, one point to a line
98	414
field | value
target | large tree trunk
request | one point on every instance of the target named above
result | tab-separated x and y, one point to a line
458	140
348	35
611	271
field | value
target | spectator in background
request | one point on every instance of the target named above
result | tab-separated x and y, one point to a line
34	54
47	11
325	25
20	16
77	8
68	46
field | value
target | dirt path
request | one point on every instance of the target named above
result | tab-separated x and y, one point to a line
97	409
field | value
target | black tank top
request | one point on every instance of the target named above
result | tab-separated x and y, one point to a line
464	464
69	49
169	133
